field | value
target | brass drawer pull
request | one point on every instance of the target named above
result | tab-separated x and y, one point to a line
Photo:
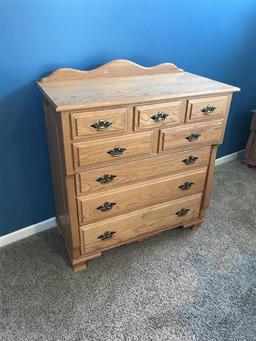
193	137
106	179
208	110
106	235
187	185
182	212
107	206
159	117
101	125
190	160
116	151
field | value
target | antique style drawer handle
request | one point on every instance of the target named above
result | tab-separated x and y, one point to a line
106	179
107	206
208	110
182	212
159	117
187	185
116	151
106	235
190	160
101	125
193	137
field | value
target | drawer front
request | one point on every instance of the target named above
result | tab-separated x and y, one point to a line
112	149
191	135
155	115
206	108
98	207
118	230
103	179
98	123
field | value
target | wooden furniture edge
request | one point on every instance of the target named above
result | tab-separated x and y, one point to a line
80	263
115	68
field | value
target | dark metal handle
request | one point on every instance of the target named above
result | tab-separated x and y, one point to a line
187	185
193	137
101	125
208	110
190	160
106	235
159	117
182	212
107	206
106	178
116	151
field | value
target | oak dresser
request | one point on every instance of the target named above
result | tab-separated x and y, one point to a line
132	151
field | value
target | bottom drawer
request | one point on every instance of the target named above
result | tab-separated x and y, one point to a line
105	234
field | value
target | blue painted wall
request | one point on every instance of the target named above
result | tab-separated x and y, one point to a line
212	38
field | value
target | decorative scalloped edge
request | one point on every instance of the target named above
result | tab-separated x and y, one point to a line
115	68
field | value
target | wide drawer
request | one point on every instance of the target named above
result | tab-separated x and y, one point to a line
98	123
209	132
100	206
112	149
103	179
118	230
207	107
155	115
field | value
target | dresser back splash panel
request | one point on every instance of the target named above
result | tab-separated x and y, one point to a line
132	151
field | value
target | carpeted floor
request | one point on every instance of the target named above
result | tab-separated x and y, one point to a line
178	286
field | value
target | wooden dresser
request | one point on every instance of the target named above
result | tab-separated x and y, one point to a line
132	151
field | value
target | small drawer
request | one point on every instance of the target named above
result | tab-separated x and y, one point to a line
191	135
155	115
98	123
103	179
207	108
100	206
122	229
112	149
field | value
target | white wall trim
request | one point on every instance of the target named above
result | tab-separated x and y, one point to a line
27	231
49	223
229	157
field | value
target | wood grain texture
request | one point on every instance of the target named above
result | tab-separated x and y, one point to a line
77	94
145	194
140	170
145	114
138	223
115	68
219	105
96	152
81	123
210	132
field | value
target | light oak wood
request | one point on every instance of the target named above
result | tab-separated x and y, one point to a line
115	68
130	198
158	173
145	115
96	152
73	91
82	122
138	223
219	105
136	171
209	133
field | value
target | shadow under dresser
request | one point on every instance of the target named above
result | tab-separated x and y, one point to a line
132	151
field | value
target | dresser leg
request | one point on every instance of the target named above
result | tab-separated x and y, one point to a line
79	266
196	227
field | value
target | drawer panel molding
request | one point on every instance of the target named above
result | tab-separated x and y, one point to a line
100	206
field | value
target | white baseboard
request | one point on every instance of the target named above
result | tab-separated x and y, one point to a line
229	157
27	231
49	223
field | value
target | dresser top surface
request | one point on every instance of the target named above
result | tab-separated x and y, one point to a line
73	94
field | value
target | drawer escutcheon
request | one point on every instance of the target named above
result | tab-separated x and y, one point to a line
190	160
106	235
193	137
208	110
187	185
159	117
107	206
116	151
101	125
182	212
